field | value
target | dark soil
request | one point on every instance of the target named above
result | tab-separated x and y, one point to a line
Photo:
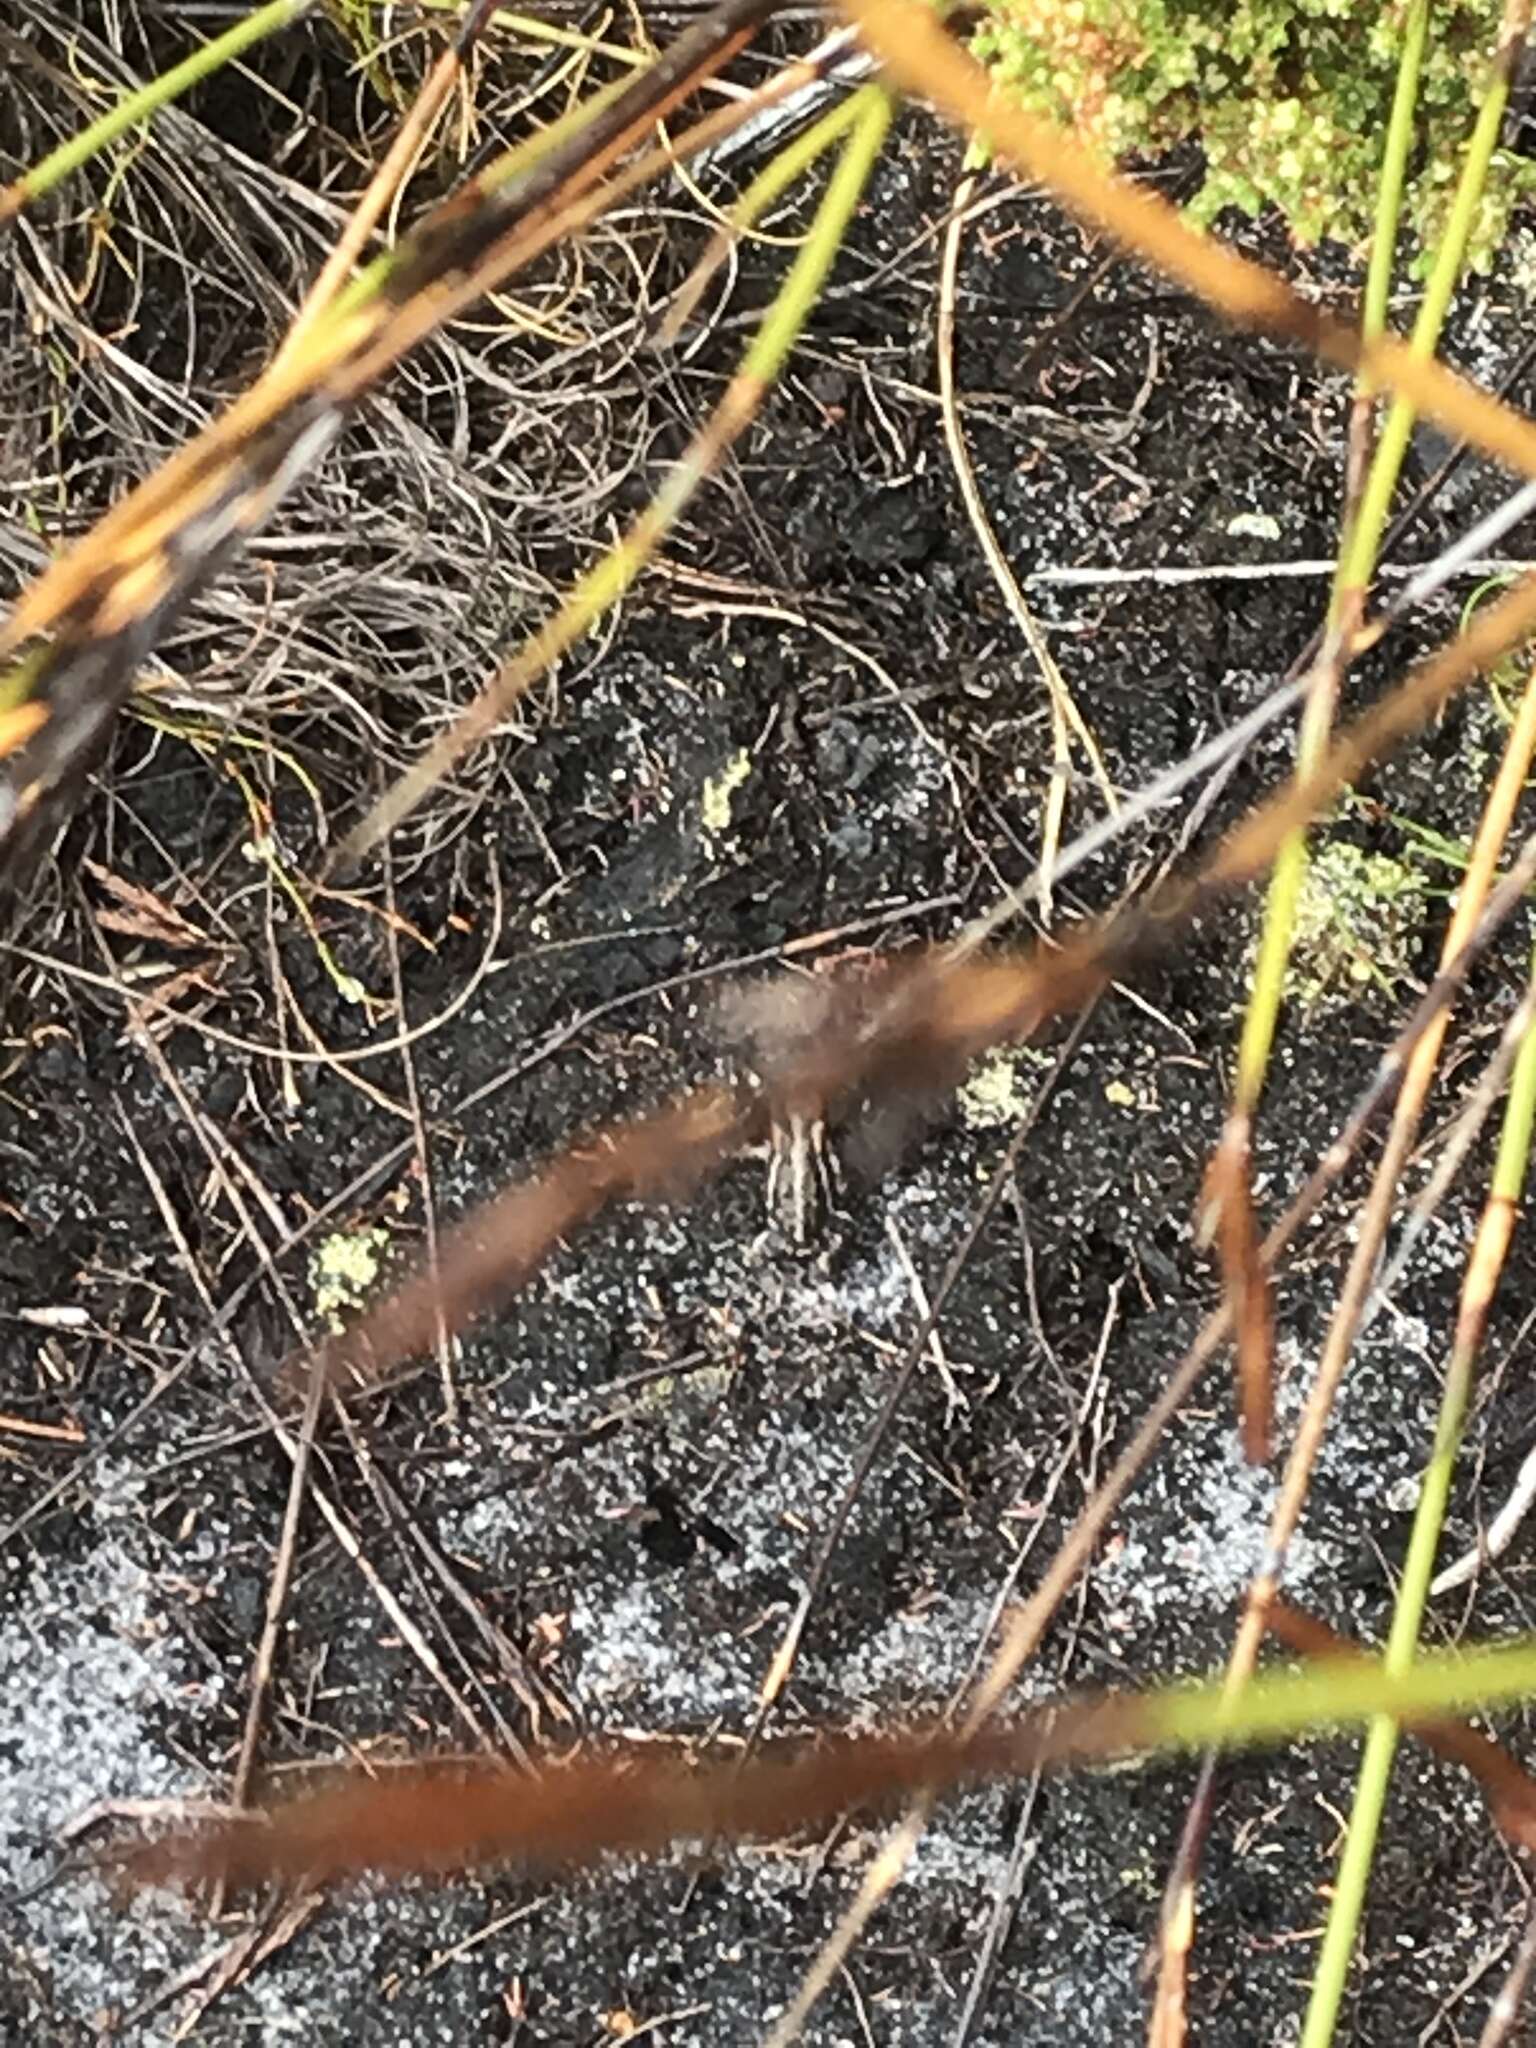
645	1447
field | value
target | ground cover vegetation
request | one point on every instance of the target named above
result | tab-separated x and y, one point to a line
1290	100
638	700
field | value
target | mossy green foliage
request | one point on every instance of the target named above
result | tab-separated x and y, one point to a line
1358	922
1290	99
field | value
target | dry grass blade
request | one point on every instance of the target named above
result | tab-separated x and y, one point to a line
468	243
868	1041
911	1031
1504	2013
905	1033
277	1596
389	177
1338	1347
1228	1220
104	605
1067	720
435	1818
508	1240
602	586
1027	1625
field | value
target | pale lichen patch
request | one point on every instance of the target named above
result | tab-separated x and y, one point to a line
1357	922
997	1090
344	1270
715	800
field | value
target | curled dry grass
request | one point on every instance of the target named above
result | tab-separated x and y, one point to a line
424	540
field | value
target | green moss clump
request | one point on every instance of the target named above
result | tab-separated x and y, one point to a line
1290	99
1358	922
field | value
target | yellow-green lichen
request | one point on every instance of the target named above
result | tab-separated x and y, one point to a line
343	1270
1357	922
704	1384
715	804
1254	526
997	1091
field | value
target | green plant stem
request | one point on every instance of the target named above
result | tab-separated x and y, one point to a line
1380	1745
1355	563
793	161
1394	169
1328	1693
1519	1120
147	100
1449	257
770	346
791	164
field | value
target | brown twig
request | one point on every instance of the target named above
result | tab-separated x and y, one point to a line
277	1597
1504	2013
